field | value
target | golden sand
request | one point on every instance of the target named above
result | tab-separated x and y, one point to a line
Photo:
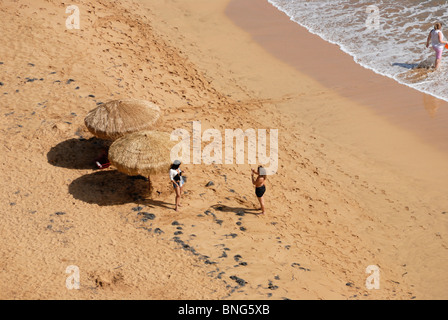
353	188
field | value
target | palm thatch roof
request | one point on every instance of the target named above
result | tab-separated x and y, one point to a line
142	153
116	118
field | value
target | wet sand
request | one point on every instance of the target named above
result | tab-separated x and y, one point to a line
422	114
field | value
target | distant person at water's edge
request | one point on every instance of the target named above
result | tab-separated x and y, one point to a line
436	38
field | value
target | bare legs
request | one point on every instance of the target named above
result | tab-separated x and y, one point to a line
261	200
438	63
178	196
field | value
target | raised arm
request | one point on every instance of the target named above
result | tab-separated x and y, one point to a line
252	175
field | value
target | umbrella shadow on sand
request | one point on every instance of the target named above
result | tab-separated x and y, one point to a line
108	188
77	153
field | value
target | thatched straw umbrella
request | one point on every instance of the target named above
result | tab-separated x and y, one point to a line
142	153
116	118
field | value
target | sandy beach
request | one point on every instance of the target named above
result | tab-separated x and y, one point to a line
362	160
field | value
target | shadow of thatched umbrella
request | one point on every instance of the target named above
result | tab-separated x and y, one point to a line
76	153
106	188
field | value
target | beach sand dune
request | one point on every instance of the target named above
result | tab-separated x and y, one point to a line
333	209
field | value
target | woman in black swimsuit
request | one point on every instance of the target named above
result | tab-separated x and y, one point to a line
260	188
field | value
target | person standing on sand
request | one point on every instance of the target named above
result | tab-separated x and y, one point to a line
260	187
437	42
177	181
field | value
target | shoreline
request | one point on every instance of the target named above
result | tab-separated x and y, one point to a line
415	111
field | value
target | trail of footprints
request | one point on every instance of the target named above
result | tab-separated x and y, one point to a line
225	260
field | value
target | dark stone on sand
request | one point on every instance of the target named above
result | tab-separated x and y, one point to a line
31	64
240	281
137	208
240	213
158	231
210	183
12	203
223	255
9	113
349	284
233	235
147	216
54	72
91	96
178	232
237	257
179	228
208	212
175	223
243	263
271	286
231	190
77	88
59	213
99	103
31	79
238	223
219	221
243	229
70	81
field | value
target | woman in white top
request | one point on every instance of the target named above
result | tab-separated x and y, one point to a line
177	180
437	42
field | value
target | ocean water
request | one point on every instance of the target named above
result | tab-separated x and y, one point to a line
386	36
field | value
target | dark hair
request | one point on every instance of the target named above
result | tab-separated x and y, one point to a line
175	166
438	26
